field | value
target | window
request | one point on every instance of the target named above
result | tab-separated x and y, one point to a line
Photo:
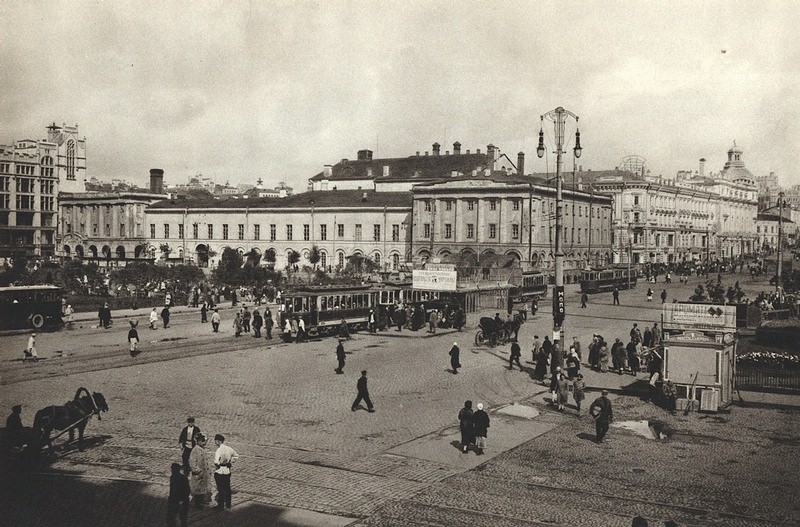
376	258
289	232
166	230
256	232
470	231
448	230
492	230
426	230
492	204
395	233
357	235
210	232
340	259
180	231
395	262
47	203
448	204
470	204
323	234
427	203
376	233
195	231
71	159
636	217
152	230
306	232
224	231
515	231
514	204
340	230
273	232
323	260
241	231
636	200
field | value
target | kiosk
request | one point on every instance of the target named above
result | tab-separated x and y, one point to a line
700	354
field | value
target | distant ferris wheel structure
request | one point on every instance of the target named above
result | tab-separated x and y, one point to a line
634	164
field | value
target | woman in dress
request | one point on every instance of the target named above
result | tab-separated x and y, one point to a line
563	391
467	426
578	391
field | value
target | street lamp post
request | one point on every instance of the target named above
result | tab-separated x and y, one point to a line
559	117
780	244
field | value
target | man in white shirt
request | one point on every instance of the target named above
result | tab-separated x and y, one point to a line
30	350
224	458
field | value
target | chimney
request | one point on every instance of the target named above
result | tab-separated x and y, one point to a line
327	171
478	151
156	181
365	155
702	166
385	170
436	149
491	151
456	148
521	163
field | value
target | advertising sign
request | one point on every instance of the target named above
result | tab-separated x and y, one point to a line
699	316
559	305
434	280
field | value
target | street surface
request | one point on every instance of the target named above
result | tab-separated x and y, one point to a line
306	459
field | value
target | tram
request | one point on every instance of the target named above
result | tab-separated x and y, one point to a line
323	308
532	286
607	279
30	306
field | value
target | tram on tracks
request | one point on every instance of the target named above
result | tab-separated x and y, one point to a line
323	308
531	286
607	279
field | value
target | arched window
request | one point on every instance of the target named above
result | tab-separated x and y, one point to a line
340	259
395	262
323	259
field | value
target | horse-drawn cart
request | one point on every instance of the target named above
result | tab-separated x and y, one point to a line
491	331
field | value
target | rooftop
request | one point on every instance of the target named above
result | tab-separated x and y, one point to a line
319	199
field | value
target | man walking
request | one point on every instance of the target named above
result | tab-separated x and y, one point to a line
30	349
257	323
340	356
245	319
455	362
224	458
178	500
535	348
268	323
133	338
188	439
516	353
153	319
165	316
363	393
584	299
215	320
664	296
603	414
615	295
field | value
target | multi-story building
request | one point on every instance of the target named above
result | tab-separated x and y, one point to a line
108	228
339	223
768	190
32	173
512	216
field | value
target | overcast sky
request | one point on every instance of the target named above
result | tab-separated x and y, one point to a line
277	89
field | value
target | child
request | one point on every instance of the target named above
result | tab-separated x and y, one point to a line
133	338
30	350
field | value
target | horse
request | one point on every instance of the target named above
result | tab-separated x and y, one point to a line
74	414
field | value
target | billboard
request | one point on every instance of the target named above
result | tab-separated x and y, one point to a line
699	316
434	280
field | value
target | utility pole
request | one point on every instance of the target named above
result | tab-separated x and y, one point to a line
559	117
780	245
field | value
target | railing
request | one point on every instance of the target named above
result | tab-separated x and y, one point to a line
764	378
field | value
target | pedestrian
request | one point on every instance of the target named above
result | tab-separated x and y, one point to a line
30	349
104	314
294	326
670	396
555	375
535	348
664	296
224	458
344	330
340	357
594	352
615	295
480	424
647	338
466	426
578	391
633	357
516	353
617	354
584	299
363	394
371	321
433	320
540	371
636	334
165	316
657	337
153	318
215	320
455	353
287	331
563	391
201	470
603	356
573	363
649	295
14	429
69	315
268	323
187	440
204	312
638	521
399	318
603	414
246	315
257	323
577	345
133	338
178	500
237	324
301	330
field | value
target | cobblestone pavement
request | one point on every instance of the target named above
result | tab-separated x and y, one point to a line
308	460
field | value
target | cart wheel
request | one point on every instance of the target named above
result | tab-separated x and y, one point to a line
480	338
37	321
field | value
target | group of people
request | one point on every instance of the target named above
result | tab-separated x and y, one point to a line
624	358
474	427
191	479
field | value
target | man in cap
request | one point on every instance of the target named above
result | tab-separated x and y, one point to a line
188	439
363	393
603	414
224	458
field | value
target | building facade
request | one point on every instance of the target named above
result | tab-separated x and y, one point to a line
32	173
339	223
511	216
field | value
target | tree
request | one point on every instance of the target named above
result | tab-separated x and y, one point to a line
229	269
165	250
270	256
293	257
251	258
314	256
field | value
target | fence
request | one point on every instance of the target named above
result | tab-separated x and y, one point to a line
766	378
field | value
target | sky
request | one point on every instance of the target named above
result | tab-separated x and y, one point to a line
238	91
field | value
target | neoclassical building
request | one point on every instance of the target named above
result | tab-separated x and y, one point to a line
32	173
512	216
339	223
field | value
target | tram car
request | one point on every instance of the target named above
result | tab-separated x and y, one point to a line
604	280
529	287
323	308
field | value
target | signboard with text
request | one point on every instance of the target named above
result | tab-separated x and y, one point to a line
699	316
434	280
